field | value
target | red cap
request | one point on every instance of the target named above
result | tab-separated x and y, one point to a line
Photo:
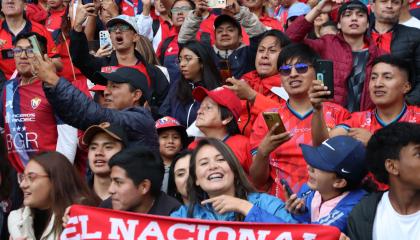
222	96
167	122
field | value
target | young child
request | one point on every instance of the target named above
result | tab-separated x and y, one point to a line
336	169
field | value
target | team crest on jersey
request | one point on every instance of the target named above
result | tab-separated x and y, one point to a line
35	102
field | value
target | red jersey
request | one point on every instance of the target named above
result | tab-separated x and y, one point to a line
129	7
55	17
383	41
287	160
7	62
240	146
371	121
30	124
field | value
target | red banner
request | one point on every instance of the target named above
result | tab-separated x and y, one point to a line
98	223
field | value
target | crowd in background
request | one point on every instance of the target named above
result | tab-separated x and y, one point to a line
276	111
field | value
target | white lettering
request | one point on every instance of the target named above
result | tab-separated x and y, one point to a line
151	230
85	235
118	224
70	230
230	232
202	229
309	236
248	234
187	227
285	236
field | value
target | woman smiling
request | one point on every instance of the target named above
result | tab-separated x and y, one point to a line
218	189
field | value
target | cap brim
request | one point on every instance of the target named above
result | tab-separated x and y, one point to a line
98	87
93	130
200	93
314	158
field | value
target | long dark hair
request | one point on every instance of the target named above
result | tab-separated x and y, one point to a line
67	186
210	76
242	185
172	190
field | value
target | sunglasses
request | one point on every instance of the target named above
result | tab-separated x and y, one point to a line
300	68
121	27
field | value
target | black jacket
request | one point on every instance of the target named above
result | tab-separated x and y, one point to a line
89	64
79	111
361	219
405	44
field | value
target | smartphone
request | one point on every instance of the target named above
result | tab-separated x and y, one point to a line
286	187
104	38
325	73
217	3
35	45
225	70
271	118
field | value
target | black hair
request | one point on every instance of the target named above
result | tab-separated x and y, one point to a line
232	127
329	23
242	185
142	99
210	76
403	65
387	143
140	163
172	190
300	51
192	4
281	39
41	40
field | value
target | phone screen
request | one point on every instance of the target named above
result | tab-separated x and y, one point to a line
325	73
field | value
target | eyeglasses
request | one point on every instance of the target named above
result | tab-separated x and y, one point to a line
300	68
30	177
180	9
187	59
121	27
28	51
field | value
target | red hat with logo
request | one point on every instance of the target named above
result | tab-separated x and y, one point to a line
222	96
168	122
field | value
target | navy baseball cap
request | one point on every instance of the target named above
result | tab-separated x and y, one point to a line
128	75
343	155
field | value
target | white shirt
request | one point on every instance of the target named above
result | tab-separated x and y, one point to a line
412	22
389	224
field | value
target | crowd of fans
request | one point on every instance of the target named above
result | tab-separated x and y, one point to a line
160	107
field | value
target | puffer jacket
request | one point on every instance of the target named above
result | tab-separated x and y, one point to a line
266	208
336	49
79	111
405	44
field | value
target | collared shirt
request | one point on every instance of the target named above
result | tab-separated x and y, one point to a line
383	41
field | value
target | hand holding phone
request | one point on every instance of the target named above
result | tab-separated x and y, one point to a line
271	118
104	39
286	186
325	73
